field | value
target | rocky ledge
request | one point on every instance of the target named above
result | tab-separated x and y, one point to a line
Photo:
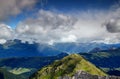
85	75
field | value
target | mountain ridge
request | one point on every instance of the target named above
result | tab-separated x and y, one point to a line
67	66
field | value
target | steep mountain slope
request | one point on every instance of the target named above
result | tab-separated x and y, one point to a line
7	75
109	60
27	65
69	65
16	48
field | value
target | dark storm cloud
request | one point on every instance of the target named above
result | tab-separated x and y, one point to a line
14	7
113	26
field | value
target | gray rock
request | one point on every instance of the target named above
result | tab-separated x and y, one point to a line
85	75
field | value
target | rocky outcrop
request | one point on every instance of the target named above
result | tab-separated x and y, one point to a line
85	75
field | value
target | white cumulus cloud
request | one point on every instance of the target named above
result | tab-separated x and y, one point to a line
49	27
6	33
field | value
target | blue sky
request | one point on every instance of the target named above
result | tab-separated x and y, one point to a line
68	5
63	6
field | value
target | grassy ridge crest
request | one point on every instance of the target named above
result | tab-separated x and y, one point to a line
69	65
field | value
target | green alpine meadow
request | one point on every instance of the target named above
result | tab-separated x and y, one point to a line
69	65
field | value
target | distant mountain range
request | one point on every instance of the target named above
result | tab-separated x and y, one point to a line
17	49
84	47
